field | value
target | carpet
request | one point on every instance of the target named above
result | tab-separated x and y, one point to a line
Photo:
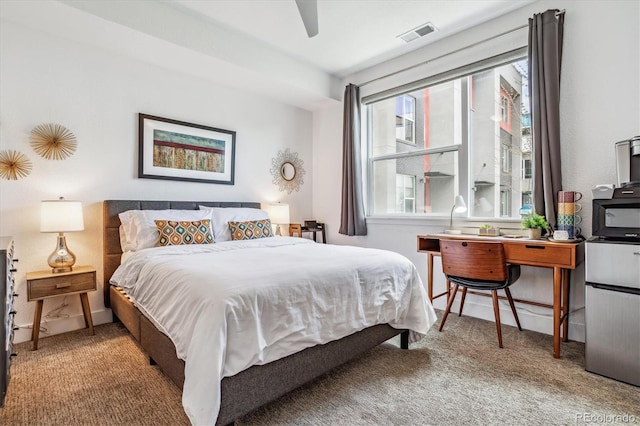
459	376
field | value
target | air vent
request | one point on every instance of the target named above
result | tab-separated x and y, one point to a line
418	32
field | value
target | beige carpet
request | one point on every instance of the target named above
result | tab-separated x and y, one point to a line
451	378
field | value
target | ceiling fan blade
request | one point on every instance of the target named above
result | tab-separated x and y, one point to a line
309	13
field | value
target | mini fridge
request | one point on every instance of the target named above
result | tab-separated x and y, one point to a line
612	309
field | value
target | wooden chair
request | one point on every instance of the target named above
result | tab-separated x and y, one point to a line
478	265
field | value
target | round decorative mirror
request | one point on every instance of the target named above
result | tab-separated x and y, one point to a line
287	171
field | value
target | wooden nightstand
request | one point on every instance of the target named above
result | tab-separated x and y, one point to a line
45	284
296	228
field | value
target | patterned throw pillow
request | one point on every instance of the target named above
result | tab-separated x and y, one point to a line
251	230
175	233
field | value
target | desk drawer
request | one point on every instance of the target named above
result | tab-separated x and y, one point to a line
54	286
540	254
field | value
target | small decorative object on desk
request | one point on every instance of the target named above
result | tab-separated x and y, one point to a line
534	224
489	231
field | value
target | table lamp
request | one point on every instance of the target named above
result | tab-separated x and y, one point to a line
459	206
279	215
61	216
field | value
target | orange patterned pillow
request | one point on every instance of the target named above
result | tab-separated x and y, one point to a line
175	233
251	230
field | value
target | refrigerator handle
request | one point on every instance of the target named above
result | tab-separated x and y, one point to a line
629	290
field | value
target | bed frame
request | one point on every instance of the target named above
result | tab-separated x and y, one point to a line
250	388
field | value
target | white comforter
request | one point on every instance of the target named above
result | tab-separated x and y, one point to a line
228	306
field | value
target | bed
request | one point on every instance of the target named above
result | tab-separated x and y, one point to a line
276	373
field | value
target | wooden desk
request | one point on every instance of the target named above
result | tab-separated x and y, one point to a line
561	257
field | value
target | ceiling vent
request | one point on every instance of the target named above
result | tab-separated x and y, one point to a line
418	32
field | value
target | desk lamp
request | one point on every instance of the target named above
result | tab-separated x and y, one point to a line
61	216
459	206
279	215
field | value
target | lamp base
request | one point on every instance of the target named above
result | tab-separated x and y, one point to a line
62	259
453	231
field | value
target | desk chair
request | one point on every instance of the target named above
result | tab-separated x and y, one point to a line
478	265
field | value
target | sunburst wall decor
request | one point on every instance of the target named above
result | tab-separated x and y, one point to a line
53	141
287	171
14	165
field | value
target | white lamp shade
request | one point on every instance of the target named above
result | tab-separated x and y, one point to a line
61	216
278	213
459	205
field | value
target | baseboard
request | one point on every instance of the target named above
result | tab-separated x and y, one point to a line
62	325
532	318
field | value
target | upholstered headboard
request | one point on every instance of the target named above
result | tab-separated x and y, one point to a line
112	251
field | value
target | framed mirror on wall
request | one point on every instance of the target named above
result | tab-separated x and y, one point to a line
287	171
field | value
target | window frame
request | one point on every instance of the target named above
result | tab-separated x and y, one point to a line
464	186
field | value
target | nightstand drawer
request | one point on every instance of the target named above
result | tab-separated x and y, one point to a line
56	285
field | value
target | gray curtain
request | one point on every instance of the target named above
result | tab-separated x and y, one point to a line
352	220
545	57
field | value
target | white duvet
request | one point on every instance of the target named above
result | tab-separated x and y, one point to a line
230	305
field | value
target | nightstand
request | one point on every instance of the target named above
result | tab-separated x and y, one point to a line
45	284
296	228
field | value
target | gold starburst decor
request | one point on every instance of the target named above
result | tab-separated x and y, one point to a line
53	141
14	165
287	170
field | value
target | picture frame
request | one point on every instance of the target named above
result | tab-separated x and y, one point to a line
177	150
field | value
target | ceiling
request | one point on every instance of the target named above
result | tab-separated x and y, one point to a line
354	34
259	46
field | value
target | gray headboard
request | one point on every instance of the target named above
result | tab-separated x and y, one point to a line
112	252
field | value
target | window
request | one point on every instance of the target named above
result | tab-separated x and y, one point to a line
406	192
505	110
526	168
458	148
505	158
406	118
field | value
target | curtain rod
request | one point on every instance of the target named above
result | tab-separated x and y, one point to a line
559	12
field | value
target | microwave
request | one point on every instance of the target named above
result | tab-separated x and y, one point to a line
617	218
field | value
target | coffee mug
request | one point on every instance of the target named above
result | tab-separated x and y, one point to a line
569	219
561	235
569	196
569	229
572	230
569	208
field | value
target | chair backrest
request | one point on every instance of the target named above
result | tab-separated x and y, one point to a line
476	260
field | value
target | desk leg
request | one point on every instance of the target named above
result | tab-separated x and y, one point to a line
430	276
35	330
87	312
557	309
565	303
324	236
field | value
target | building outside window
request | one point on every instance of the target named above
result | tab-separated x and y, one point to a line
459	148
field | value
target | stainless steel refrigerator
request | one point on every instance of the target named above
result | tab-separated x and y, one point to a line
612	309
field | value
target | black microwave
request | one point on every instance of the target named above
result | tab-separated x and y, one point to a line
617	218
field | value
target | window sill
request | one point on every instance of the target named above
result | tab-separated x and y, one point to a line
459	222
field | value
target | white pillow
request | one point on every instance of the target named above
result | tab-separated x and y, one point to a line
140	229
221	216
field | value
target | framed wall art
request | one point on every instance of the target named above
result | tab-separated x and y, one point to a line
176	150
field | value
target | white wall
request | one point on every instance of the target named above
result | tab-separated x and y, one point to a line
97	94
600	105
